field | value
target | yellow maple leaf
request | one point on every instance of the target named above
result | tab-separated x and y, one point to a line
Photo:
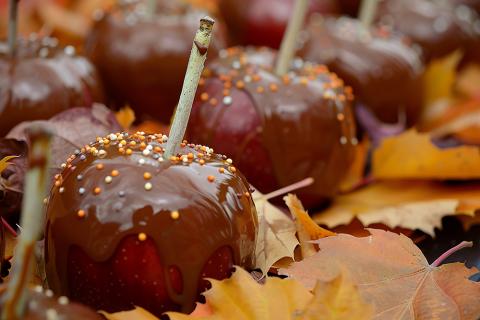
242	298
4	162
307	229
125	117
412	155
406	204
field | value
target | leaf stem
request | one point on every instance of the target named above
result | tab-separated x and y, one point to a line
12	26
295	186
196	62
32	220
448	253
368	11
289	41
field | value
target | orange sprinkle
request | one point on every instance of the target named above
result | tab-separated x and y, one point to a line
147	175
256	78
226	92
190	155
204	96
142	236
240	84
211	178
260	89
213	101
58	183
157	149
286	79
304	81
115	173
247	194
273	87
97	190
232	169
227	85
129	151
81	213
121	150
99	166
340	117
221	170
202	162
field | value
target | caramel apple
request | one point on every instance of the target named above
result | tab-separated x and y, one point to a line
383	69
439	27
263	22
136	220
142	57
39	79
278	129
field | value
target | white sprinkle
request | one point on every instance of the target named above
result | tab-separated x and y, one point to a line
49	293
184	159
112	137
79	177
69	50
149	147
223	54
102	154
230	161
247	78
61	190
81	190
236	64
354	141
160	159
108	179
440	24
51	314
227	100
43	52
38	289
141	161
343	140
63	300
148	186
63	165
146	152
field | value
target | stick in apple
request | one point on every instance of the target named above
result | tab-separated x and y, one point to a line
367	13
196	62
32	221
12	26
289	41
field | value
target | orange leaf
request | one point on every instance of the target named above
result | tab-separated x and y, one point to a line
412	155
405	204
394	275
126	117
4	162
307	229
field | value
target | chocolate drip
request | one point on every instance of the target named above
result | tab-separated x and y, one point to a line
43	80
190	206
299	126
384	71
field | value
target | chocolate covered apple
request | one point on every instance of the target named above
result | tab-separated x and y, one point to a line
383	69
142	55
136	220
39	79
278	129
439	27
263	22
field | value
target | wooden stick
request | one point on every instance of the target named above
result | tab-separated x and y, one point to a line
32	221
12	26
288	46
368	10
196	62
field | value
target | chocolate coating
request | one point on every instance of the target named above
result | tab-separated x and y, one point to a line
439	27
383	70
42	305
42	80
215	211
278	130
143	60
263	22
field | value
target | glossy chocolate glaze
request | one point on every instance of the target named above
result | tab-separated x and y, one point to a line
42	305
278	130
383	70
42	80
211	196
263	22
143	60
439	27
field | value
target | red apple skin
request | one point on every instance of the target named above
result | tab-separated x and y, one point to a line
276	137
263	22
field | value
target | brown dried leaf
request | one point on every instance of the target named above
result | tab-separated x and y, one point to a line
394	276
307	229
276	234
126	117
406	204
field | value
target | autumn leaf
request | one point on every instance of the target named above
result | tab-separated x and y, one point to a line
125	117
393	275
4	162
276	234
439	78
406	204
412	155
307	229
242	298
